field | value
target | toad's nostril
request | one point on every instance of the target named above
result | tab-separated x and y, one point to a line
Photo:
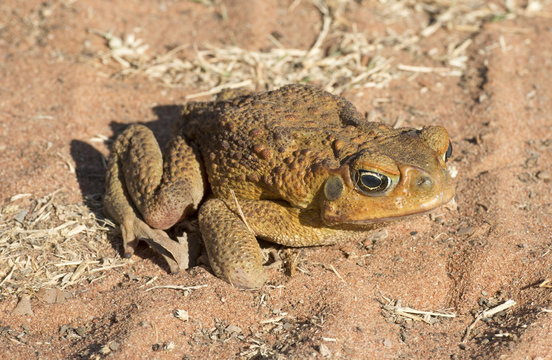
424	181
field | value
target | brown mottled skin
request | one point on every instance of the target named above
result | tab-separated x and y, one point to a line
296	166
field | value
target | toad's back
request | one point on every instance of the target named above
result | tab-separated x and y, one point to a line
253	144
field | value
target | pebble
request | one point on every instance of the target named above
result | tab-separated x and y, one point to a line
82	331
53	296
544	176
23	307
524	177
21	216
181	314
467	230
233	329
379	235
324	351
403	336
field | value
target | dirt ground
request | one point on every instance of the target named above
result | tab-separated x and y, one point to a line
481	69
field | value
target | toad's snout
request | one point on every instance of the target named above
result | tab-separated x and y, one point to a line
420	189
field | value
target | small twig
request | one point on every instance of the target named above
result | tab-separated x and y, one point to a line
422	69
470	328
7	277
399	122
273	320
413	314
261	300
78	262
152	280
219	88
339	276
294	5
108	267
492	311
427	313
19	196
79	271
461	49
240	212
178	287
326	22
410	316
67	162
486	314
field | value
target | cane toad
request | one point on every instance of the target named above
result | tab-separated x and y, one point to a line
296	166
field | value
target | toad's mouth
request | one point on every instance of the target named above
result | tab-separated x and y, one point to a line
397	212
391	218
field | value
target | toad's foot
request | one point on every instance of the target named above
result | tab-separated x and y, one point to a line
175	253
147	190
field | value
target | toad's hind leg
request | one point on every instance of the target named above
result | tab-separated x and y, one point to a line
163	191
234	253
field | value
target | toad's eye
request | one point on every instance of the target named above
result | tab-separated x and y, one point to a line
448	154
370	182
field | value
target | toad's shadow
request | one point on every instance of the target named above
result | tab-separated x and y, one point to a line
90	167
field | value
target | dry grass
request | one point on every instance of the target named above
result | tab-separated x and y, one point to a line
45	244
338	60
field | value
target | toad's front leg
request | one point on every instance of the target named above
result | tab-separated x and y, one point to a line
233	250
146	193
232	247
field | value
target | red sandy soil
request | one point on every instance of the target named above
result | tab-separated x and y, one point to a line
494	246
